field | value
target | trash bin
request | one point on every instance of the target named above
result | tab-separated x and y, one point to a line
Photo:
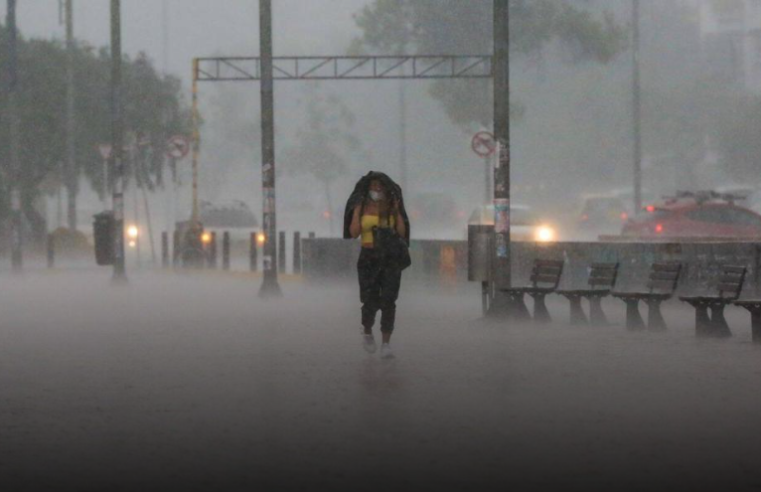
480	252
103	232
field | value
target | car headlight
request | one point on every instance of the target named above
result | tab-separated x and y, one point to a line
545	234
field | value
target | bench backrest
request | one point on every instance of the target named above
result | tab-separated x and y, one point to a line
546	273
664	277
731	281
603	275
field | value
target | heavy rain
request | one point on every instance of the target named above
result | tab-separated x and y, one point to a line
380	244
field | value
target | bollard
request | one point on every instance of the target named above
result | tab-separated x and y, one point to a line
253	253
51	251
226	251
176	249
297	253
211	254
281	252
165	249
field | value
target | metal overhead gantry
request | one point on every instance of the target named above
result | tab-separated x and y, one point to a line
268	68
346	68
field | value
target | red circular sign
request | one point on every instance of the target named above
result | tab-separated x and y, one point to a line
177	147
484	144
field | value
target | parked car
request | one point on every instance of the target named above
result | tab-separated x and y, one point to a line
525	225
702	214
602	213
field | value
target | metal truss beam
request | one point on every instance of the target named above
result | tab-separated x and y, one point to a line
347	68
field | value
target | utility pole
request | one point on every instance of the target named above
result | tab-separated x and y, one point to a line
501	260
270	286
117	141
71	168
403	167
637	106
13	134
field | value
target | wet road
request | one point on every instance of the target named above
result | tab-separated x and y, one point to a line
194	383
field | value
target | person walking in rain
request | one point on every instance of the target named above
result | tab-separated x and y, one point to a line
375	212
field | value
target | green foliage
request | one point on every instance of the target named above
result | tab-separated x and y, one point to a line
153	108
325	143
466	28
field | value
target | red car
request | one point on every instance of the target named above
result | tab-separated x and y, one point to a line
706	215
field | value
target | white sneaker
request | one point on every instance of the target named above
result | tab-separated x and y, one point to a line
368	343
386	352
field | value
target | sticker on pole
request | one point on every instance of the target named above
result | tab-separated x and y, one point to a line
484	144
177	147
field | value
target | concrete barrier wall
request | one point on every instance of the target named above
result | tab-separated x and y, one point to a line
445	262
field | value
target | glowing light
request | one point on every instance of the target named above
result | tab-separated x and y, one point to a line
545	234
624	216
133	232
132	243
659	228
650	209
206	238
261	238
326	214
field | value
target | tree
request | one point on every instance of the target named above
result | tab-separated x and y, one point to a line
446	27
325	143
153	109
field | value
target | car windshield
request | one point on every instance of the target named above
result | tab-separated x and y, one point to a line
647	214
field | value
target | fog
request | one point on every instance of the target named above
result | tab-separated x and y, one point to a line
188	378
191	382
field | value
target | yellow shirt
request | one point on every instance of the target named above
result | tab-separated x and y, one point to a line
370	221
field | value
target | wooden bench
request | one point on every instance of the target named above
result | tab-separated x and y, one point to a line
601	280
661	285
728	290
545	277
754	307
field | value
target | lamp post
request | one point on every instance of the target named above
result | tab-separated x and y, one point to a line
636	106
117	142
501	254
13	140
270	286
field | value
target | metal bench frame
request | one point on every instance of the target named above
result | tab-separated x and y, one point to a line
601	280
545	278
729	289
661	286
754	307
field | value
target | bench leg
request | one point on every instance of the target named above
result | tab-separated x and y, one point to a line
719	327
596	314
541	314
518	309
577	312
702	321
634	320
755	323
655	321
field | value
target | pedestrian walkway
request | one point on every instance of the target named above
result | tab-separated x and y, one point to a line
192	382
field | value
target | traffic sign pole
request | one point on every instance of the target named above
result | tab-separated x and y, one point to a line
117	142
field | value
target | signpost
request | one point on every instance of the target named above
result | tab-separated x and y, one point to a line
484	145
177	147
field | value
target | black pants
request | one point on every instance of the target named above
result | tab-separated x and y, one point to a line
378	290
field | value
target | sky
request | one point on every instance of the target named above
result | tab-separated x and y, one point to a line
197	27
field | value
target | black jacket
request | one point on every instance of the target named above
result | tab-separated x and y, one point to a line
360	193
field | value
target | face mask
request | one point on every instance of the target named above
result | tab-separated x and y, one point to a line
376	196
